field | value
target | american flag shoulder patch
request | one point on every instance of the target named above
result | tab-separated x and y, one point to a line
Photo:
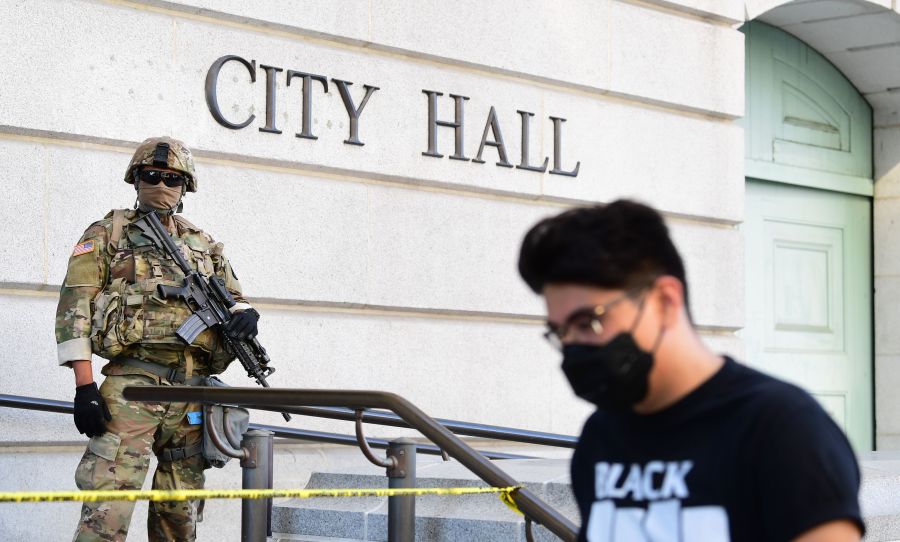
83	248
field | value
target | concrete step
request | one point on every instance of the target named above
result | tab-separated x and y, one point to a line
438	518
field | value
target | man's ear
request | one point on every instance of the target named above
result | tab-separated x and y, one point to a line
671	297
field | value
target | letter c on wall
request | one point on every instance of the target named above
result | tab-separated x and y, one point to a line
212	99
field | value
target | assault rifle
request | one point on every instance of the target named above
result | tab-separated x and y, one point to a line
210	302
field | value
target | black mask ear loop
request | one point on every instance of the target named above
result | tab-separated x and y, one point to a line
659	338
637	321
640	314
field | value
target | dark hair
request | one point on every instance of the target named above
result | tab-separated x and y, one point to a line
622	245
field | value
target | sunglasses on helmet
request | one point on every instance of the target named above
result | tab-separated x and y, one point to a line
153	176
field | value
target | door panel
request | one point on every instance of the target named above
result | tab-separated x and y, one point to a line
809	296
803	283
801	111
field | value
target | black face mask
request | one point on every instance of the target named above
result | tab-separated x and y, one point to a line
613	376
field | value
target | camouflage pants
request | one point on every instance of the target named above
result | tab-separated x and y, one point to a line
119	459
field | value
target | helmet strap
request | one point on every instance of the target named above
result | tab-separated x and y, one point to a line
180	207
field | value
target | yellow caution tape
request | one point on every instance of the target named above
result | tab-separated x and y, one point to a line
194	494
507	498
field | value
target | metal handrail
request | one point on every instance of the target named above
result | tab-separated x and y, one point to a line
468	429
389	463
230	450
66	407
527	502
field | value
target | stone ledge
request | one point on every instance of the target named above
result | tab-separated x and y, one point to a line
880	495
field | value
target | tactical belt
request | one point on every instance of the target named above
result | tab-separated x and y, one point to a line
172	374
175	376
176	454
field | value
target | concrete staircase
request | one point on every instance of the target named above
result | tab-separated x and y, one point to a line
484	518
474	518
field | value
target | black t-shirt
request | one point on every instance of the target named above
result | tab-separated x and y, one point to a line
744	457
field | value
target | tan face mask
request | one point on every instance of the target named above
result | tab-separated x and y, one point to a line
158	197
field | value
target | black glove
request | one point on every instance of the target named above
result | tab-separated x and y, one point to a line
243	325
91	412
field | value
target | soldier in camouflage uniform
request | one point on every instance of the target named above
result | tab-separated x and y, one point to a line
108	306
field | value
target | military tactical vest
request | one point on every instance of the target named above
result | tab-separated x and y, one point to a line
128	310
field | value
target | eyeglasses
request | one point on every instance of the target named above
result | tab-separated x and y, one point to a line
153	176
587	320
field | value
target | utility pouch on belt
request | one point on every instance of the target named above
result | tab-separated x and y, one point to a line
237	419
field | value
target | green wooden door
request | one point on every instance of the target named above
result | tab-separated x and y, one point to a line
809	297
808	227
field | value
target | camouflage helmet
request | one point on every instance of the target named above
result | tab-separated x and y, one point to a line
163	152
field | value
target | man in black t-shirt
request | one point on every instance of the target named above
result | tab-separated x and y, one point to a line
686	445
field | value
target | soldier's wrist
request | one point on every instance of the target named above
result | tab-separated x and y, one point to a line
84	374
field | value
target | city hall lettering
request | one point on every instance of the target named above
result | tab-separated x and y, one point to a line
311	83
